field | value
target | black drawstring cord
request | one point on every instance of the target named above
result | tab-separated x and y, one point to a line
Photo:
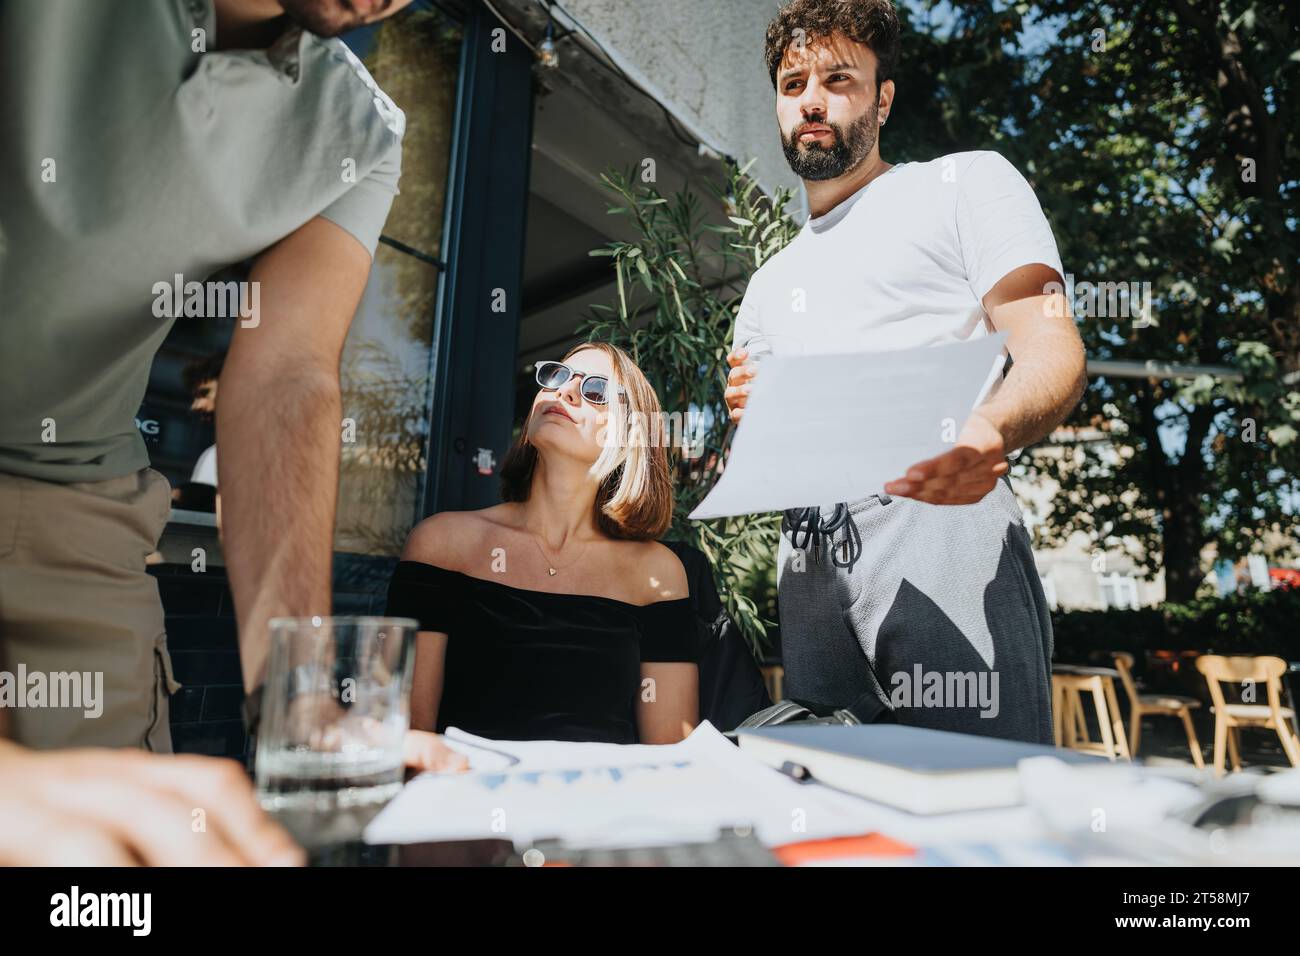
808	520
809	523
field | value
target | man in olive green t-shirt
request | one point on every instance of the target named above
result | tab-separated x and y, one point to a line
146	147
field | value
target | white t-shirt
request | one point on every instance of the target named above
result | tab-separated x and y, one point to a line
903	262
205	469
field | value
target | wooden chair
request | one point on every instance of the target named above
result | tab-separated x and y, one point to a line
1069	684
1230	718
1155	705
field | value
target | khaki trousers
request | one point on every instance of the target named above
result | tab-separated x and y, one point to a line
75	598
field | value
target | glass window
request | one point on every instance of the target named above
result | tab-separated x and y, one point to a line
385	379
387	358
1119	591
176	418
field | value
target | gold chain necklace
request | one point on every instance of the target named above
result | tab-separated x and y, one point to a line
551	569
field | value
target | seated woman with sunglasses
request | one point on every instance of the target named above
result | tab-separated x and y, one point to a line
556	615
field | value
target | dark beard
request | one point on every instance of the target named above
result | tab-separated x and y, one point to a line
815	163
324	18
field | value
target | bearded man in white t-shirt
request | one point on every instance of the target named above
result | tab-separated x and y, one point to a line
923	599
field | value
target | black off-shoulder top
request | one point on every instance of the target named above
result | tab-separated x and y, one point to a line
533	665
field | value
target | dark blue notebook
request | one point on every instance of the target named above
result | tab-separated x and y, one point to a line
920	770
916	748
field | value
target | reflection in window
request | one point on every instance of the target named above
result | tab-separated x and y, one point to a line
387	357
385	376
177	417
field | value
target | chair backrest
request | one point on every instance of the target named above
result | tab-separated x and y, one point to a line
1124	664
1240	670
731	684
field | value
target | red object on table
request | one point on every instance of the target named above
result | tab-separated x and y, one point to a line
868	844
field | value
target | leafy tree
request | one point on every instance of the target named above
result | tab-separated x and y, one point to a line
1161	139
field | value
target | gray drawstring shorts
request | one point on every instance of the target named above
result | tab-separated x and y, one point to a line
943	616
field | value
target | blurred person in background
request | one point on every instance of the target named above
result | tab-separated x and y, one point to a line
200	492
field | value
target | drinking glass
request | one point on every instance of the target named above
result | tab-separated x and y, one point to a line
335	710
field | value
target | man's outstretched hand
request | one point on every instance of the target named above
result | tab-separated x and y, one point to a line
961	476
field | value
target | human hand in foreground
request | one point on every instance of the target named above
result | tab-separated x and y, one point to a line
101	807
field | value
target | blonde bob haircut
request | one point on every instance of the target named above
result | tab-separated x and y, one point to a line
635	496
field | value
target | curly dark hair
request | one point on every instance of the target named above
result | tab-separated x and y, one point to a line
206	368
871	22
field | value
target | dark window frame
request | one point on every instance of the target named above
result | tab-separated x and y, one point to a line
471	401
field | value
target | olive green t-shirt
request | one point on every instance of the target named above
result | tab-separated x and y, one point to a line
130	160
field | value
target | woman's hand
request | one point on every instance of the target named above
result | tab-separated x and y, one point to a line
422	750
325	725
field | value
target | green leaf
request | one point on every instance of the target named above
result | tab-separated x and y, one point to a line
622	302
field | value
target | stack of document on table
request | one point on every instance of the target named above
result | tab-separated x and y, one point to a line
975	800
931	798
607	795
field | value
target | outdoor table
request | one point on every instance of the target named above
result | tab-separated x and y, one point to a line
1010	836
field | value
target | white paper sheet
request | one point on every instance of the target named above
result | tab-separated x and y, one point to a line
591	795
604	795
821	429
